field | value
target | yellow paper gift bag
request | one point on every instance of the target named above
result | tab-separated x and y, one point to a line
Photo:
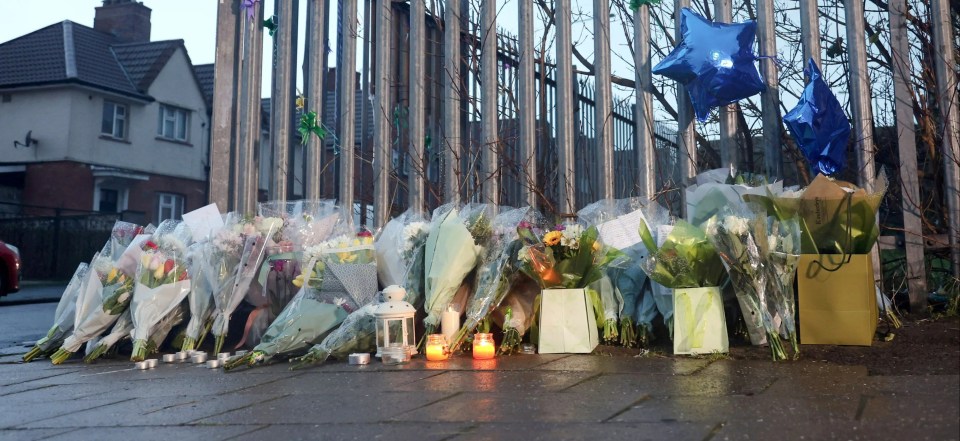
836	307
699	325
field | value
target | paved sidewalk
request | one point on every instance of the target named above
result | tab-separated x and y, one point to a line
523	397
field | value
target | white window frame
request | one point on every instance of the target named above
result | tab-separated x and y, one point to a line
176	213
119	122
179	119
123	195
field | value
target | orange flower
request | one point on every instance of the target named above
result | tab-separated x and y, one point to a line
552	238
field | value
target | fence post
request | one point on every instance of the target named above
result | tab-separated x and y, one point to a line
381	114
490	150
728	114
946	67
248	174
347	79
645	153
860	105
527	121
686	132
769	98
566	100
810	30
452	86
282	95
416	107
314	52
603	98
224	123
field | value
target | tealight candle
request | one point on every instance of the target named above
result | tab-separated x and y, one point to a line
436	347
169	358
483	348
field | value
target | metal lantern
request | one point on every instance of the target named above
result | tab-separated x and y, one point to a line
395	322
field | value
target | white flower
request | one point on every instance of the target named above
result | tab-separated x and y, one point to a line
524	254
570	236
515	323
735	225
270	225
123	297
339	301
772	243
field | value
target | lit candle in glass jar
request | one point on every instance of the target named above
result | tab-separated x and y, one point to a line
436	347
483	348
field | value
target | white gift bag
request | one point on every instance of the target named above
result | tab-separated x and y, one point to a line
699	325
567	322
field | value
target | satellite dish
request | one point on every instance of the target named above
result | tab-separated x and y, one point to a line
28	141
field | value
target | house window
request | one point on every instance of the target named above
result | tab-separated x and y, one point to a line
114	122
169	206
173	123
109	201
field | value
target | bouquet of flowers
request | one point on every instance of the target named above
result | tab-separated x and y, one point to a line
121	329
306	223
455	243
782	252
735	237
339	277
255	235
399	254
162	329
495	274
162	282
105	293
63	318
715	189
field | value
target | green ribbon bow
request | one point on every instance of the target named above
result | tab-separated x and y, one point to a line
271	25
308	125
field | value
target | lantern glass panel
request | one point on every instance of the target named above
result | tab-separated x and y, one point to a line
396	332
411	334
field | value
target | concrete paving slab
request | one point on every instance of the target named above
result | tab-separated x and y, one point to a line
588	431
909	410
13	413
364	432
660	385
339	407
766	429
31	434
647	365
178	433
333	382
155	411
498	381
520	406
749	408
457	363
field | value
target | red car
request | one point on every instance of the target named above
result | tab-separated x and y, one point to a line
9	269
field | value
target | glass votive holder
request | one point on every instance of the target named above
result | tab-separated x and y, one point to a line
483	346
437	347
395	355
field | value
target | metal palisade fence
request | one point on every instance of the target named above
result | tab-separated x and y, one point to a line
453	110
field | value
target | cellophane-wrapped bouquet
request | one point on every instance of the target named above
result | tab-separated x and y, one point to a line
101	346
62	319
162	282
566	256
106	292
255	234
306	224
734	233
453	248
338	277
399	253
496	273
618	222
782	252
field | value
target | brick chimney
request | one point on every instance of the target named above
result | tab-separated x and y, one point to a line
128	20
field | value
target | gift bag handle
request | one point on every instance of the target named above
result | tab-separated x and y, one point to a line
848	242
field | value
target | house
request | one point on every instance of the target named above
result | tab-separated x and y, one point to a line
102	120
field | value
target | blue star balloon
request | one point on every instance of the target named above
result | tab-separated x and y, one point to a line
819	126
715	61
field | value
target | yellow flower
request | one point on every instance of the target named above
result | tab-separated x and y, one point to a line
301	101
552	238
368	240
145	260
596	246
158	274
356	242
346	257
112	275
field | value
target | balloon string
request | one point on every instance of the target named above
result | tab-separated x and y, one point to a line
776	60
